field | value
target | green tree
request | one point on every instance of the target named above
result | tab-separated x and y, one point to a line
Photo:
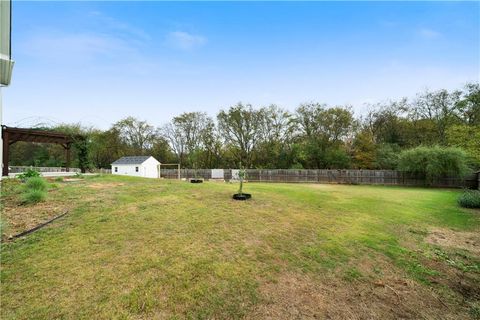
138	135
468	138
434	162
213	152
387	123
438	107
81	143
240	126
364	150
106	147
337	158
323	131
275	145
386	156
469	105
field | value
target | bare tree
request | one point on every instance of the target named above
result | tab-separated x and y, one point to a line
440	107
277	124
186	135
175	139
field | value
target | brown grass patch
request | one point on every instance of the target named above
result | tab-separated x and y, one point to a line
382	292
298	296
21	218
105	185
454	239
70	179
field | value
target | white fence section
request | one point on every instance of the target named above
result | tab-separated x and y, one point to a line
50	171
51	174
20	169
218	174
235	174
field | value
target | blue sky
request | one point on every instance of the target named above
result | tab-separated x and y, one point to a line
98	62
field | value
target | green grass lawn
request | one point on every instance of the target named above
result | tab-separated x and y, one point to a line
134	248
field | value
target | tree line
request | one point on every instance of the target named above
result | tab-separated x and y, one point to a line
314	136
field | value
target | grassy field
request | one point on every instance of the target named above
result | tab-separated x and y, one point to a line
133	248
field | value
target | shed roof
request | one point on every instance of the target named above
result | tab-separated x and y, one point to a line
132	160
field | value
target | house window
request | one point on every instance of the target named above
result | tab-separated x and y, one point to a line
116	169
136	169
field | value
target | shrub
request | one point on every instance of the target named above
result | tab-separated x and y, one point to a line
59	179
297	166
434	162
469	199
336	159
30	173
386	156
36	183
34	196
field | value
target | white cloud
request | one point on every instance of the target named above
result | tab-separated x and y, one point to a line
106	38
429	33
114	25
70	46
83	53
184	40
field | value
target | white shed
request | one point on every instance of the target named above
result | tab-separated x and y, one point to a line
139	166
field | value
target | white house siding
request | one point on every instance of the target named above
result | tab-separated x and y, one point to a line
127	170
150	168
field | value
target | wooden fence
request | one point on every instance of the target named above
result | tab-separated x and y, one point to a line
373	177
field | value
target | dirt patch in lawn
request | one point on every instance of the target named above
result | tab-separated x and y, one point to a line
20	218
105	185
296	296
382	291
460	240
458	271
71	180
